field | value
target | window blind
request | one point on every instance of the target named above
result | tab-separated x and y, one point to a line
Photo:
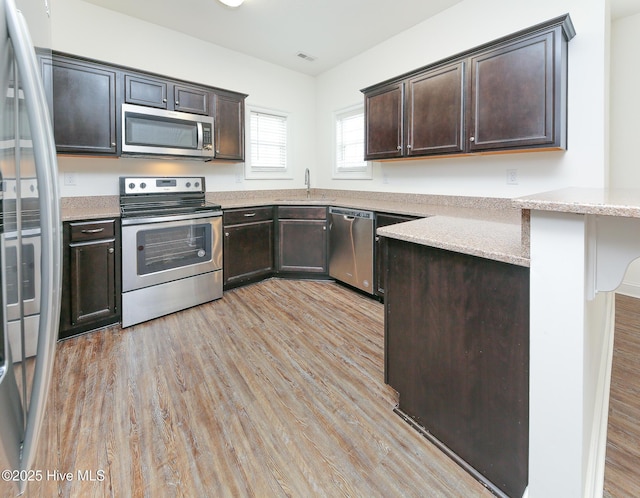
268	141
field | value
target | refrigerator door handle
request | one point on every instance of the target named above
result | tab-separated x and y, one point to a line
46	171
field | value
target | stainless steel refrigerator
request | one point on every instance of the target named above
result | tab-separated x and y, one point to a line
30	240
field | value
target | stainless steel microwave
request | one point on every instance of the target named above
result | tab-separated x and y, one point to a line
158	132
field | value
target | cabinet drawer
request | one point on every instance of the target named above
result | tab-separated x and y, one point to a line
92	230
239	216
302	212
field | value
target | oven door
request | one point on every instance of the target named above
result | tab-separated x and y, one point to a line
155	253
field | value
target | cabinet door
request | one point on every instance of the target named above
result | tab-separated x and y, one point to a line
83	106
513	96
248	252
191	99
93	294
145	91
435	111
229	127
302	246
384	126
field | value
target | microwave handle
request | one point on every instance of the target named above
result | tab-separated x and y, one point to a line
200	136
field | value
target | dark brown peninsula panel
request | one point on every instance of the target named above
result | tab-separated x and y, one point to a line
457	352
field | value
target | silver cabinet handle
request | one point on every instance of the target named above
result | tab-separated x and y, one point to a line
399	147
472	139
111	250
226	234
92	230
249	215
408	147
164	101
177	103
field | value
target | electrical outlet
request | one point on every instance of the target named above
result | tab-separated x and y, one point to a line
70	179
512	177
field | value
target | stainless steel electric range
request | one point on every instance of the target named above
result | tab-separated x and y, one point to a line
171	246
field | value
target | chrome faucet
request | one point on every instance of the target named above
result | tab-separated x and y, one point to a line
307	181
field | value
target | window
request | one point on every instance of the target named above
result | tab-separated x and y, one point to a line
349	133
268	134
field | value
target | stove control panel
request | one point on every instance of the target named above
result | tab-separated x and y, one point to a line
160	185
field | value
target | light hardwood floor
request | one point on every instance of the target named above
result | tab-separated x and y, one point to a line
275	390
622	469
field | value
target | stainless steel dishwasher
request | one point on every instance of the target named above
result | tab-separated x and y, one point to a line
351	247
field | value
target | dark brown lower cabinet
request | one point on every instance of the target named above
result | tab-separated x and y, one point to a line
248	245
302	240
91	276
380	248
457	352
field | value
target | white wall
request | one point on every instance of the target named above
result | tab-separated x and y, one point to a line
625	108
468	24
84	29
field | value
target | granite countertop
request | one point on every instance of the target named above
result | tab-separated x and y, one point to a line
90	208
497	240
492	228
608	202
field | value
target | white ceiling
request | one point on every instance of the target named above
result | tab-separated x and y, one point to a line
332	31
276	30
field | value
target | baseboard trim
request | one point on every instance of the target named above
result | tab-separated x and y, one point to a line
631	290
451	454
598	445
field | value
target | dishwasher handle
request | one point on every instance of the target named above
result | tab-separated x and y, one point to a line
351	214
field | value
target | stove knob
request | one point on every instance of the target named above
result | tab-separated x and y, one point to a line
197	184
188	184
132	185
143	185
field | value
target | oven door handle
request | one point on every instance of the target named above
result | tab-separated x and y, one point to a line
177	217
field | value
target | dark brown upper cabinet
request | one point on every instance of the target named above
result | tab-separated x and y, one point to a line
435	111
87	95
509	94
165	94
384	122
512	100
229	125
145	91
191	99
83	105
